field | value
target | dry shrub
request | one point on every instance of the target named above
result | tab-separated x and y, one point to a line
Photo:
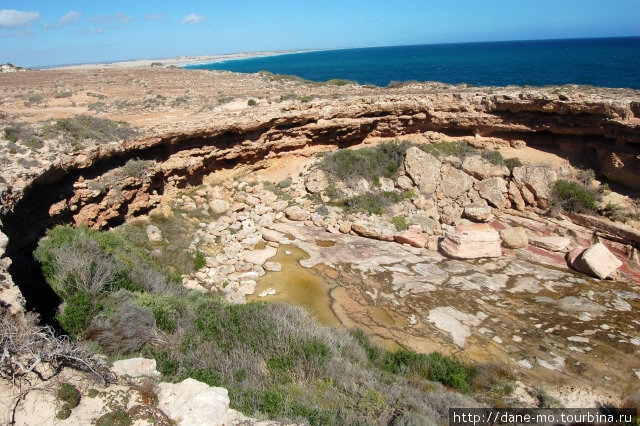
126	331
26	346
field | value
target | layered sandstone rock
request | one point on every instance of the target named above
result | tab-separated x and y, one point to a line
471	242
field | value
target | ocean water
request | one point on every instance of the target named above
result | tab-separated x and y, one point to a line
603	62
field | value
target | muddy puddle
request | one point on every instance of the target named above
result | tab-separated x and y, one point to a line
296	284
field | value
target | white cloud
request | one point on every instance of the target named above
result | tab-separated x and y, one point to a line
193	19
102	19
153	16
67	19
10	18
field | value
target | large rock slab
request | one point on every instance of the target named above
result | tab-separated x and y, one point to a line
258	257
193	403
493	190
423	169
454	182
154	234
537	179
297	213
596	261
481	168
415	239
472	242
374	229
515	237
316	181
136	367
477	212
551	243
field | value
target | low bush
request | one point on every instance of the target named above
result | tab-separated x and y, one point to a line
251	102
512	163
373	202
83	127
400	222
574	197
136	168
68	394
368	163
117	417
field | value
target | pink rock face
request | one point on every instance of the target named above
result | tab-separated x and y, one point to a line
472	242
412	238
597	261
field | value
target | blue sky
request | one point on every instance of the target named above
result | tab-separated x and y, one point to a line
37	33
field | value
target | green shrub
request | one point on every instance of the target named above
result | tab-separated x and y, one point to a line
77	314
285	183
494	157
373	202
445	149
64	412
337	82
205	375
400	222
82	127
368	163
199	261
573	197
68	394
136	168
117	417
512	163
251	102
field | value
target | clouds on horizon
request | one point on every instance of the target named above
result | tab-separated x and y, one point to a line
11	18
192	18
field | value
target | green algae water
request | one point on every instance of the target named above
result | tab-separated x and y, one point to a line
602	62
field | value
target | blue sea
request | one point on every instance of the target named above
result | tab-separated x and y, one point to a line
603	62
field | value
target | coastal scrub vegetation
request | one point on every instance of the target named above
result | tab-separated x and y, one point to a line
82	127
384	161
276	360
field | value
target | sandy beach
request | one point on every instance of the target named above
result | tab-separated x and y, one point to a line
180	60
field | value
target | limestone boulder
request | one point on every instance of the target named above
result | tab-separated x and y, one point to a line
272	266
493	190
537	179
596	261
415	239
297	213
551	243
515	237
193	403
136	367
219	206
316	181
515	196
477	212
423	169
259	257
481	168
4	240
429	225
454	182
154	234
378	230
472	241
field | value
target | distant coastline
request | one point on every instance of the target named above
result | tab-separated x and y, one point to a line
181	61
